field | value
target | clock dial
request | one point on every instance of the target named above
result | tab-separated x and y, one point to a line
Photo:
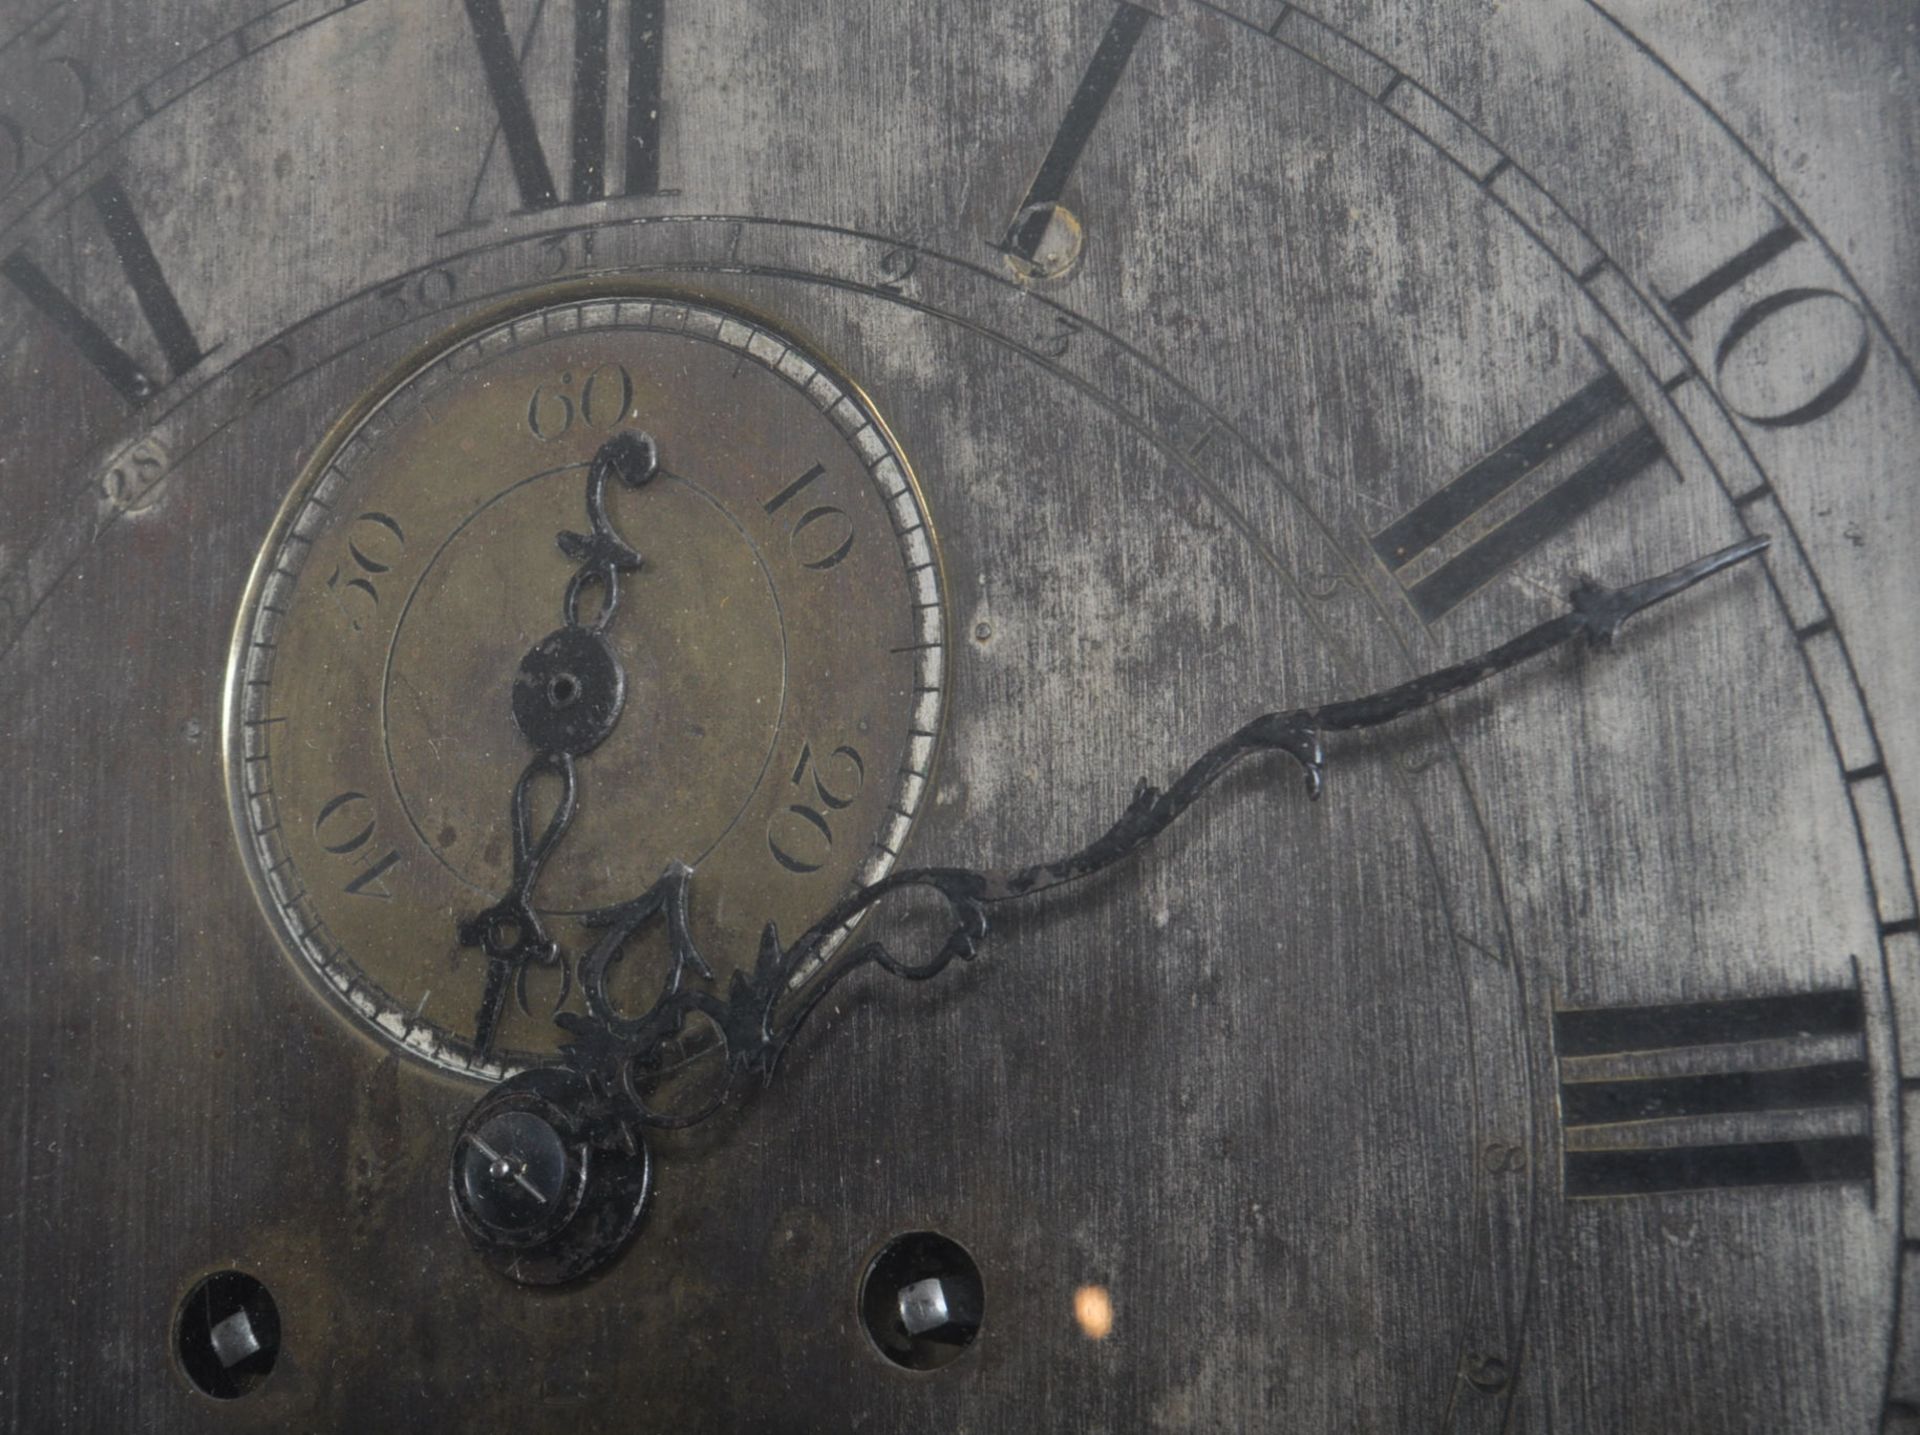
1546	1073
783	648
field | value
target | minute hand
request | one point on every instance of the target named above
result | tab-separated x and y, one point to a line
1597	615
761	1012
597	1107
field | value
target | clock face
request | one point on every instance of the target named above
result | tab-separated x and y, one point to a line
1545	1074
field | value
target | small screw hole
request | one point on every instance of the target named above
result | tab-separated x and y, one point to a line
563	691
922	1300
227	1334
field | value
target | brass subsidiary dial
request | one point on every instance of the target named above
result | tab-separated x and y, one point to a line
782	648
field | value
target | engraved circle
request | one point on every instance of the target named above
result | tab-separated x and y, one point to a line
445	707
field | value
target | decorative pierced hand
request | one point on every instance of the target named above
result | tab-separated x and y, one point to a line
581	1124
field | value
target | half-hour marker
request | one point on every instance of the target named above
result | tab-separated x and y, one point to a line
1029	226
1437	589
1780	1082
150	290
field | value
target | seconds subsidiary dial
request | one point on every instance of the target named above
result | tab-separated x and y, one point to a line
783	647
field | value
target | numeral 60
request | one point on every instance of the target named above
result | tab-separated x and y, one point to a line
604	401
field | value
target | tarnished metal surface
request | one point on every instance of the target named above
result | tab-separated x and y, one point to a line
1247	354
762	1008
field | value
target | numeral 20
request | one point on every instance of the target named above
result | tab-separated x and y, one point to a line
800	835
345	828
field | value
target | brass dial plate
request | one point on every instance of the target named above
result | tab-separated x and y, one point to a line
784	647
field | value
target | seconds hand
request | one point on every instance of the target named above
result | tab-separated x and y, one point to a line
567	698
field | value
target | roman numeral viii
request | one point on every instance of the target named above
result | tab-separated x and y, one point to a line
1459	539
1761	1091
143	275
591	71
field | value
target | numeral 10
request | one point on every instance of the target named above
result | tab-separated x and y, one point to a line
822	535
345	827
1792	383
